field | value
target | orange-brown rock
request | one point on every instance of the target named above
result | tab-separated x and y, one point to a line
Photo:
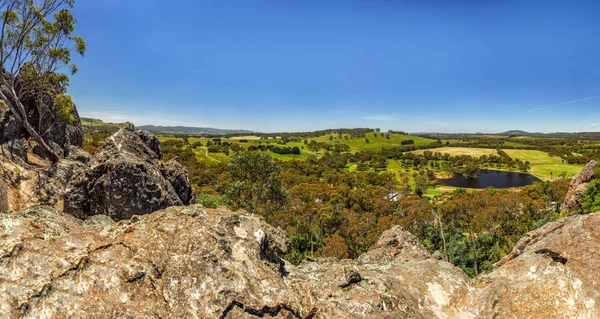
191	262
577	187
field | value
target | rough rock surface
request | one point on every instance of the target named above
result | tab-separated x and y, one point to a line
125	177
12	146
177	175
577	187
3	197
190	262
35	183
60	135
553	272
27	176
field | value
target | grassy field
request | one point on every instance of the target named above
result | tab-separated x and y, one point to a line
375	143
355	144
205	157
543	166
454	151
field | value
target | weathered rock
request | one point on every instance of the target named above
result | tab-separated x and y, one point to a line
41	152
553	272
191	262
577	187
11	143
183	262
4	206
397	278
125	177
78	154
36	183
177	175
188	262
42	115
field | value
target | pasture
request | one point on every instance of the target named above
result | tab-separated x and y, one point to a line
543	166
376	141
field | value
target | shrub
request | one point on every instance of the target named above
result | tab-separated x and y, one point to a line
212	201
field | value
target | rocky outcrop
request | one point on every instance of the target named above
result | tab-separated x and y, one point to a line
177	175
577	187
59	134
26	172
35	183
190	262
126	177
553	272
397	278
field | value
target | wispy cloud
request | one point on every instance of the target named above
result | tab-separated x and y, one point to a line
558	104
391	117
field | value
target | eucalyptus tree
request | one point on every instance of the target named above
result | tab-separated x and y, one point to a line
256	185
36	44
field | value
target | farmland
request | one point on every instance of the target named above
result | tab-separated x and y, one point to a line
543	166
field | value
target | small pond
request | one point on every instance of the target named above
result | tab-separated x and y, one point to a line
487	178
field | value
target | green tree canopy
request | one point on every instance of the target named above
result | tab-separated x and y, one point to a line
257	186
36	44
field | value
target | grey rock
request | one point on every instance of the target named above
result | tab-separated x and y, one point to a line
78	154
177	175
125	177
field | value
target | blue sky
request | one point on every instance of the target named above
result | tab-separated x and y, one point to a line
443	66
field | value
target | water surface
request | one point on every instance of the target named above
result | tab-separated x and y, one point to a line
487	178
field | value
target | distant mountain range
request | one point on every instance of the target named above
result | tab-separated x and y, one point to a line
91	124
191	130
516	132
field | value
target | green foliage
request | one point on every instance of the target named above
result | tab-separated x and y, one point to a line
211	200
257	186
591	198
460	191
39	33
64	106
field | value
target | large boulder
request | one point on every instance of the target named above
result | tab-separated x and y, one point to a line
126	177
396	278
191	262
577	187
553	272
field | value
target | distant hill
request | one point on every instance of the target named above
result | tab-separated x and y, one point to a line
515	132
573	135
191	130
95	125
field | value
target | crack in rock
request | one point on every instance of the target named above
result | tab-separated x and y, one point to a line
265	310
556	257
